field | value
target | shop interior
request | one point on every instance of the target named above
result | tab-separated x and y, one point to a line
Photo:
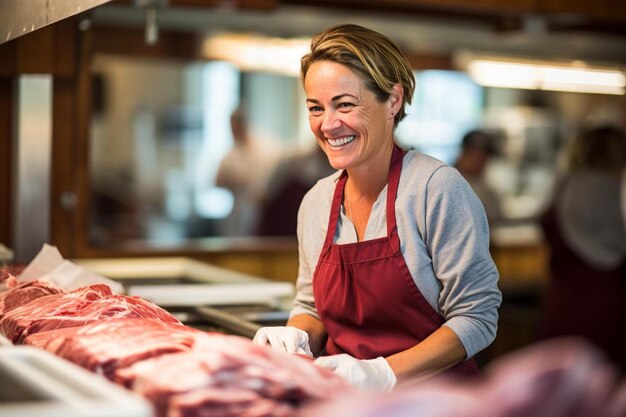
116	121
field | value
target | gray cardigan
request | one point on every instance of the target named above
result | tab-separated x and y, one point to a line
445	242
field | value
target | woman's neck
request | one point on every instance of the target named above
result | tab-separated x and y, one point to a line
369	180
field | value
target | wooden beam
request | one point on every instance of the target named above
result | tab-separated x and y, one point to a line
131	42
6	156
64	172
84	82
231	4
430	61
44	51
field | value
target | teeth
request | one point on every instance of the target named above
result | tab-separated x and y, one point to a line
341	141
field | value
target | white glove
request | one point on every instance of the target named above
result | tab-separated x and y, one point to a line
285	338
366	374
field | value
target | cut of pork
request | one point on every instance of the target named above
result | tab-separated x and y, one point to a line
219	402
51	339
8	271
76	308
187	383
19	294
106	346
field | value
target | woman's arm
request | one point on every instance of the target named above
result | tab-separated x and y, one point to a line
314	328
457	239
438	352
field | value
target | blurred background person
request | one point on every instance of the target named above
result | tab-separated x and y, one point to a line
243	171
291	180
585	230
477	148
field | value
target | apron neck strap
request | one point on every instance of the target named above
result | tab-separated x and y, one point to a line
393	179
335	208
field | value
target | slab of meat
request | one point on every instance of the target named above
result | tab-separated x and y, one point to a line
109	345
218	402
230	376
19	294
76	308
7	271
559	378
51	339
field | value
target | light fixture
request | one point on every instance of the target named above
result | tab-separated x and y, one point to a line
150	8
575	76
258	53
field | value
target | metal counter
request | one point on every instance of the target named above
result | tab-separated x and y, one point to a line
34	382
201	295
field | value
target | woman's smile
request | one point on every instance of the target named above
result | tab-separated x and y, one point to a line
340	141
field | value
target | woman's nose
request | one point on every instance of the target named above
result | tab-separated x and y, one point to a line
330	122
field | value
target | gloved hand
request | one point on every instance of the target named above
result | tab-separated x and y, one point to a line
366	374
285	338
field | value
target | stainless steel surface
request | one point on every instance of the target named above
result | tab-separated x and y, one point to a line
228	322
34	382
183	282
32	157
275	318
19	17
4	341
270	293
161	268
199	294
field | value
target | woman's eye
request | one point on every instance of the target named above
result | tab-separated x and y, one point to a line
344	105
315	109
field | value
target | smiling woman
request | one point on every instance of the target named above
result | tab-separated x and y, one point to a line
389	228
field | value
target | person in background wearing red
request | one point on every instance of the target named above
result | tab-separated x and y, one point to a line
585	230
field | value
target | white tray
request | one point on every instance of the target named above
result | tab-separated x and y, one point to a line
210	285
4	341
35	383
164	267
268	293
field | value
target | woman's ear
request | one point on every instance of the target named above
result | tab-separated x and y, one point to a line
396	99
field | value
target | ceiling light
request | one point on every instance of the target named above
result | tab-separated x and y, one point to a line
257	53
544	75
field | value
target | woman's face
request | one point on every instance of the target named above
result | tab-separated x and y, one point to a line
350	124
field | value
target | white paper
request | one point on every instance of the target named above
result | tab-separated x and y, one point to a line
50	266
46	260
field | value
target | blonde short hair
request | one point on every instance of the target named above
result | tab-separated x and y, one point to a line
372	56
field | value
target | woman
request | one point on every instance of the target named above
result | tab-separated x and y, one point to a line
395	278
585	230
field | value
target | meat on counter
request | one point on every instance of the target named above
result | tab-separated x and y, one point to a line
76	308
181	370
19	294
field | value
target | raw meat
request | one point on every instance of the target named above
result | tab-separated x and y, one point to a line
19	294
76	308
218	402
51	339
109	345
224	375
559	378
182	371
7	271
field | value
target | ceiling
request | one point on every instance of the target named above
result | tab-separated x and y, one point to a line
19	17
530	36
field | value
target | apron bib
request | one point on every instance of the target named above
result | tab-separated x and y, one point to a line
364	292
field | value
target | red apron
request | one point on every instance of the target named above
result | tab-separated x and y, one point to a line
364	292
582	300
